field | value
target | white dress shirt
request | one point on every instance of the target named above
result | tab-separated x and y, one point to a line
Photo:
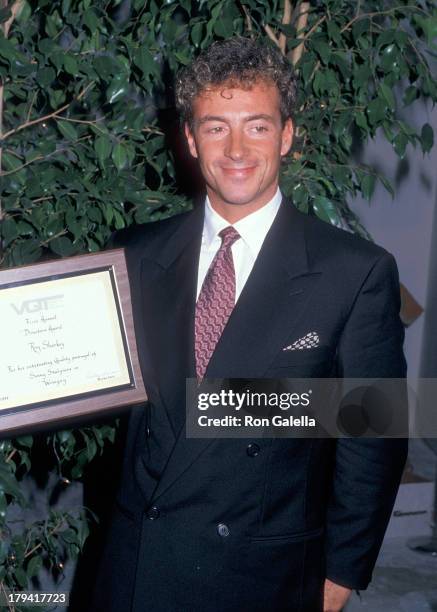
252	229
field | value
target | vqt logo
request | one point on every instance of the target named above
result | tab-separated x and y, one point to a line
38	304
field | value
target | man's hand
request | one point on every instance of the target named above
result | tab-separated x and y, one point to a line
334	597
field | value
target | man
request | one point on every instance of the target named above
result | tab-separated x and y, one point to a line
223	291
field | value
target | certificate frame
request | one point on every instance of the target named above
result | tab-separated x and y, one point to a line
61	412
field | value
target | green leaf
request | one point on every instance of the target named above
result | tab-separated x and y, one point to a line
145	62
11	162
400	143
387	37
326	210
70	64
319	83
182	58
24	12
26	441
427	138
390	57
368	186
362	74
323	49
83	532
45	76
307	64
47	46
91	21
341	125
21	577
9	485
119	222
376	111
9	53
429	27
62	246
360	27
411	94
108	213
64	435
9	231
118	88
119	156
34	566
196	34
334	31
105	67
102	146
387	95
361	121
94	215
57	97
70	536
67	129
387	185
224	27
26	252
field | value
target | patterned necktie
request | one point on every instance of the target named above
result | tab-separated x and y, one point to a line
216	301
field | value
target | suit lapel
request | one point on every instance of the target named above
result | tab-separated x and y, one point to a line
276	292
169	278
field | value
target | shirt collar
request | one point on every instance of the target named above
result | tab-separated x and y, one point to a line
253	228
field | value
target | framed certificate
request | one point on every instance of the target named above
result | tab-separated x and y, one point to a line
68	346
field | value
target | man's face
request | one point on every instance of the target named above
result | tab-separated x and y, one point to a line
239	138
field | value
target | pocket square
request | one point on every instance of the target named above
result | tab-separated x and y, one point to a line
308	341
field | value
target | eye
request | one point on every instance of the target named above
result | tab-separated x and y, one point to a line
215	130
259	129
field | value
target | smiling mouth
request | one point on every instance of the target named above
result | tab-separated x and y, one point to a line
233	171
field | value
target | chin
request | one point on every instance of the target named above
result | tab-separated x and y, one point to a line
239	198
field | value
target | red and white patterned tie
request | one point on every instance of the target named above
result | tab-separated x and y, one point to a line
216	301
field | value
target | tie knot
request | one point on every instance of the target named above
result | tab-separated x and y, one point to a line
228	235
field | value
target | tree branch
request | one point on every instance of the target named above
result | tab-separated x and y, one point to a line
378	13
50	115
50	533
314	28
286	20
271	34
11	454
301	23
58	235
15	9
247	17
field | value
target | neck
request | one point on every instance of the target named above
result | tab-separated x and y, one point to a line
235	212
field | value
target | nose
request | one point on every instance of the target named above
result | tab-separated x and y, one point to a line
235	146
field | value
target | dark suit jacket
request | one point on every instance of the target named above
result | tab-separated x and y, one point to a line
296	510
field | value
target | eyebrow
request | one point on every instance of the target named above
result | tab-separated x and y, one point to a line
257	117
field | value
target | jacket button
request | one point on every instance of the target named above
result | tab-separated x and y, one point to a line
223	530
253	450
153	513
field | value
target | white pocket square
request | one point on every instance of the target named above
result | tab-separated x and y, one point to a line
308	341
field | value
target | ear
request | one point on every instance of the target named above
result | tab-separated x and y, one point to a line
287	137
190	140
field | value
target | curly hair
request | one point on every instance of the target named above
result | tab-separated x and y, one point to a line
238	62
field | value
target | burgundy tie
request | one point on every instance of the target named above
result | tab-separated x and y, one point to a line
216	301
